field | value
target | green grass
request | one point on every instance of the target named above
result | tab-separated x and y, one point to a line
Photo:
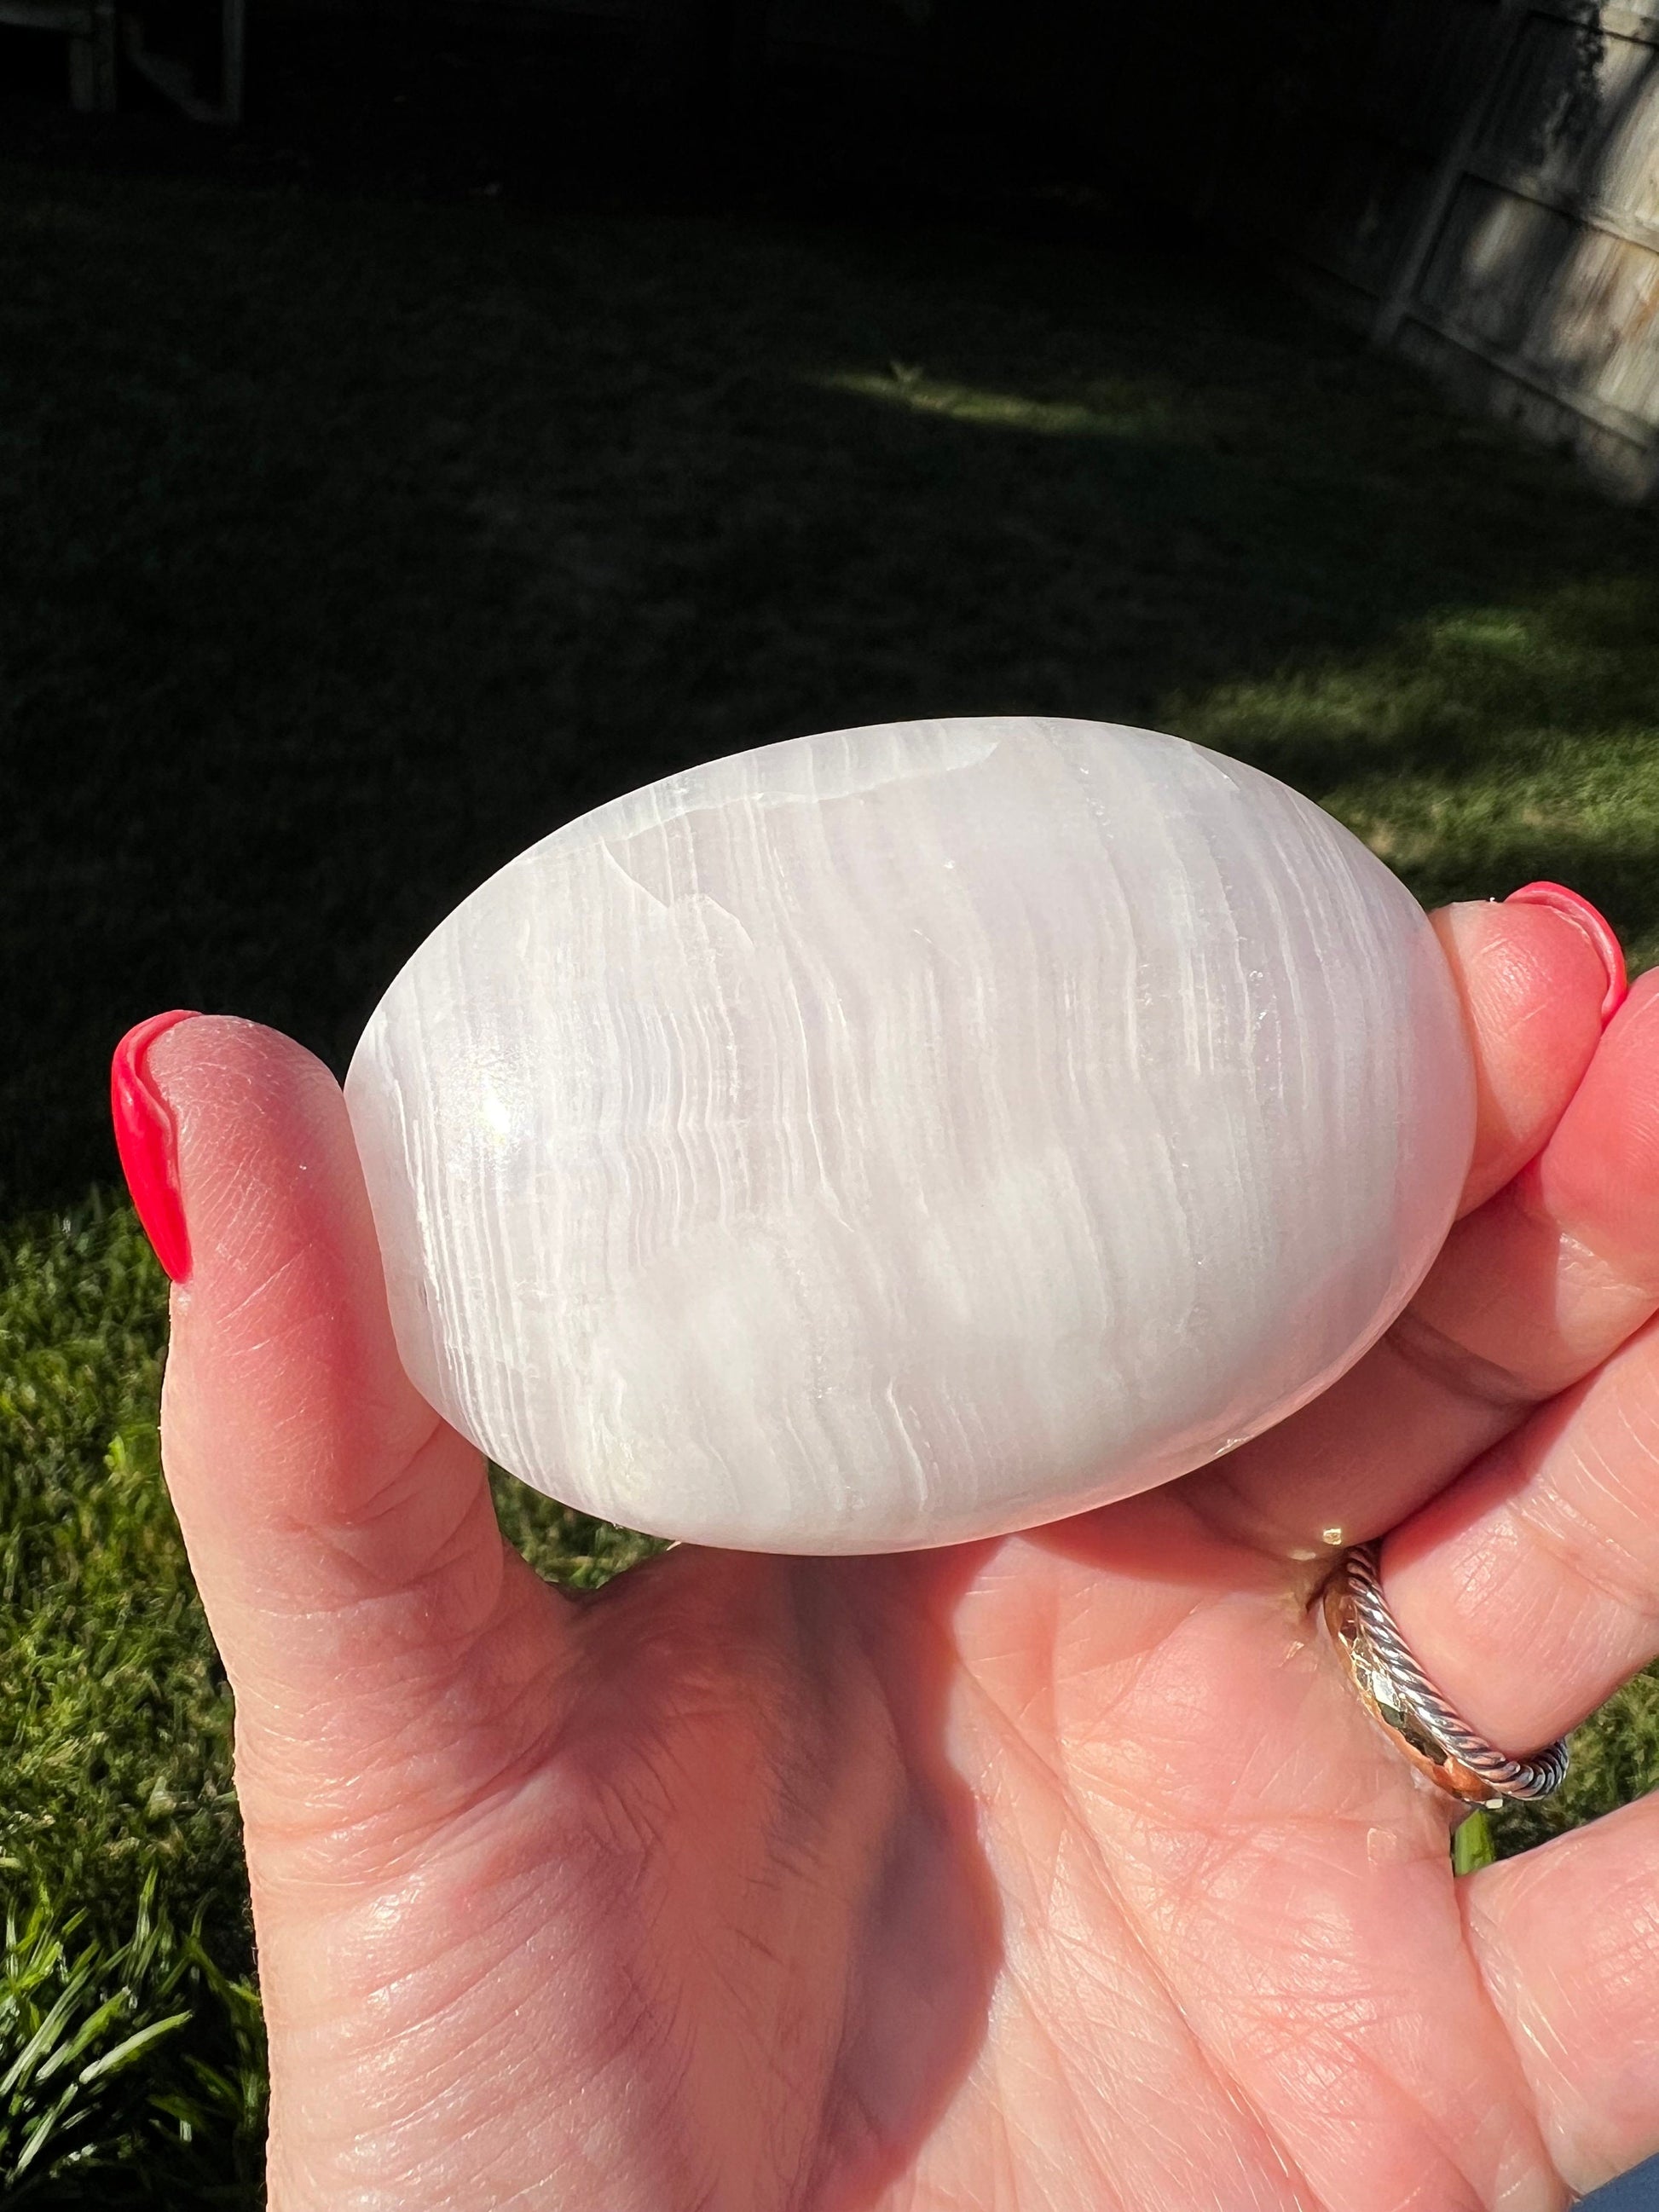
345	546
135	2068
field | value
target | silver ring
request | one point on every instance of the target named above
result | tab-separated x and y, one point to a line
1400	1696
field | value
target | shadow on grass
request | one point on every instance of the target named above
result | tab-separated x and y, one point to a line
350	546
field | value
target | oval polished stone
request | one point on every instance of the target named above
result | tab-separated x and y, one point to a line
910	1133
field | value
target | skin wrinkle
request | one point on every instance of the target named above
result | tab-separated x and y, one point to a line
368	1514
1627	1489
1255	2128
416	1616
1146	2108
392	1852
764	2037
1068	1614
268	1283
255	1219
1013	1723
1485	1953
360	1757
360	1737
412	1656
1357	2060
1523	2100
496	1638
307	1504
1008	2178
468	1544
385	1995
1578	1553
362	1425
1061	2066
640	2026
1583	1279
424	2077
1231	2091
1362	2059
386	1848
806	2079
459	2132
450	2168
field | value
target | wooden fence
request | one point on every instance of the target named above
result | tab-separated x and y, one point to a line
1475	181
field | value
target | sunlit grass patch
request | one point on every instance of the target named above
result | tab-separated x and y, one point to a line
118	1721
1482	747
1462	686
1124	410
133	2066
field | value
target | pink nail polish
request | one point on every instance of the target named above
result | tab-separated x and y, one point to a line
1596	927
145	1138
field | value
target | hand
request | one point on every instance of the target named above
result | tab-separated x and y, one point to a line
1050	1874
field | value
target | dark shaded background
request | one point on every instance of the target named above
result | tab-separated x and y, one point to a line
511	414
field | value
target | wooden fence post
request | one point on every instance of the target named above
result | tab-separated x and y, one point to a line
1407	273
92	61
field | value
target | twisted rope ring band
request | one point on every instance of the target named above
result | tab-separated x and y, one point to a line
1400	1697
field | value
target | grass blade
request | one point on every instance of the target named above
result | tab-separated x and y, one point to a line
110	2062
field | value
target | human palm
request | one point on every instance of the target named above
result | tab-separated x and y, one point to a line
1045	1875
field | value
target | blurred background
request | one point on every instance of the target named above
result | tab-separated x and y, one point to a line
420	420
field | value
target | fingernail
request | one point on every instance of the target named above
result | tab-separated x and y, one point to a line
1596	927
146	1140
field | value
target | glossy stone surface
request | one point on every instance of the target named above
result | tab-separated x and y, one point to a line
909	1133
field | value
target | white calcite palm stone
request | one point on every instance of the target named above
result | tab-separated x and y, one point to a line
910	1133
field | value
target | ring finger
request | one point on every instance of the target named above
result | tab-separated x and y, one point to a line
1529	1590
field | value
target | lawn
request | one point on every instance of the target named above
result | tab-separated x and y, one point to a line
346	544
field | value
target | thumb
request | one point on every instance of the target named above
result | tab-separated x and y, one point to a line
342	1536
